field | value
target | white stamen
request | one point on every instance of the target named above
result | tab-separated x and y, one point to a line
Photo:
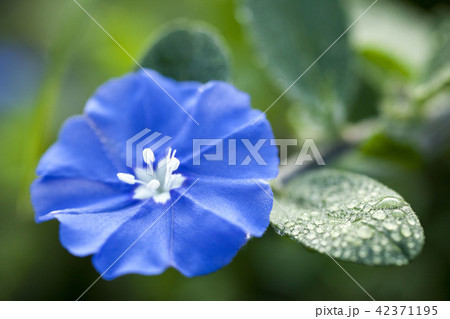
149	159
127	178
155	184
149	156
174	164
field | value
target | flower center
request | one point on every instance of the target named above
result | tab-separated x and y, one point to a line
158	182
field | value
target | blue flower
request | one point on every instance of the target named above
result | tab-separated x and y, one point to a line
164	211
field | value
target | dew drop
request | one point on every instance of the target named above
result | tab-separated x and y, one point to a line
351	205
397	213
289	224
390	226
384	241
411	245
380	215
295	232
337	243
318	222
334	207
357	241
304	217
389	202
396	237
376	249
311	236
406	232
364	232
363	253
366	209
346	254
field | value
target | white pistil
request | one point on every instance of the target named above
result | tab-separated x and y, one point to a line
155	184
171	163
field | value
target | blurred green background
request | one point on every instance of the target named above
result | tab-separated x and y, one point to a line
53	57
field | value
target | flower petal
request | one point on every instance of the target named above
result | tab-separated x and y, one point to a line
50	195
243	203
141	245
185	236
233	163
202	241
83	234
221	110
79	153
124	107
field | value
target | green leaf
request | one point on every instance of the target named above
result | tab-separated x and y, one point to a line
399	46
349	217
382	145
291	35
366	101
436	77
189	52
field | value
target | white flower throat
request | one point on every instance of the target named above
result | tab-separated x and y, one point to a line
155	183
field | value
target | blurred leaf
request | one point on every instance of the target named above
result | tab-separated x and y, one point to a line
42	115
350	217
365	103
21	71
434	139
429	137
382	145
437	75
386	63
393	38
188	52
291	35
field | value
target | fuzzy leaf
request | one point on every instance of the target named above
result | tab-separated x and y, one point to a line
436	77
187	52
399	47
350	217
291	35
